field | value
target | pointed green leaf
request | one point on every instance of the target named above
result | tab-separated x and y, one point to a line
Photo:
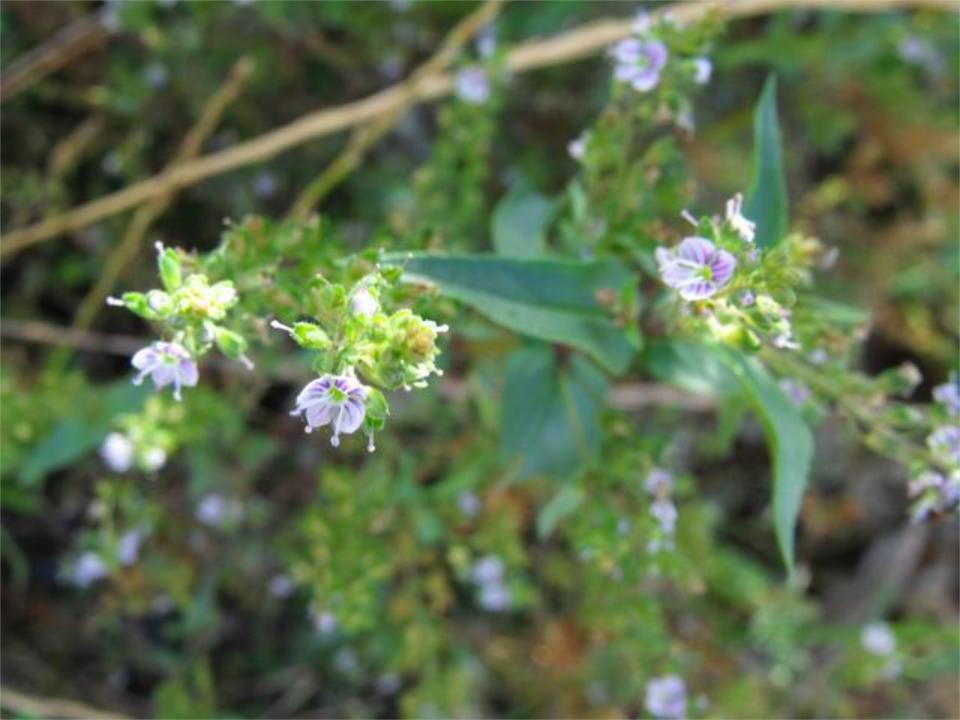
520	223
766	202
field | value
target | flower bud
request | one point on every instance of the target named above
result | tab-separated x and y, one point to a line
310	336
160	302
231	344
168	261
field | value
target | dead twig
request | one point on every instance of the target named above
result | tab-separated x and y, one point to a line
20	702
57	52
145	216
574	45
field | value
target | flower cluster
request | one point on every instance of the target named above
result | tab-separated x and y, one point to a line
659	484
357	338
641	59
487	574
666	697
936	491
191	310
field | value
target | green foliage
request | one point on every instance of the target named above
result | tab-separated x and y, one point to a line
582	304
766	201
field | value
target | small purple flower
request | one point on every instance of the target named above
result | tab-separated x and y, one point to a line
128	548
818	356
335	400
494	597
797	391
948	394
702	70
933	494
641	23
747	298
639	62
468	503
324	622
659	482
473	86
696	268
488	570
945	441
280	586
665	513
666	697
166	363
88	569
745	228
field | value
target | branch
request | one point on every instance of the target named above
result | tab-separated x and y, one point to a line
573	45
146	215
57	52
24	704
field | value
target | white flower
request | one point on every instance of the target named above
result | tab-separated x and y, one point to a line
117	452
336	400
746	229
578	147
129	547
88	569
666	697
877	639
166	363
473	86
154	459
702	70
363	303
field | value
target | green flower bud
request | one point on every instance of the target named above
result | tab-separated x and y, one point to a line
310	336
137	304
168	261
231	344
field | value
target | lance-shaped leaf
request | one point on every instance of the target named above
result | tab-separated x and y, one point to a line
766	202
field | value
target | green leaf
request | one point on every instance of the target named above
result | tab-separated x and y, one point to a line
766	202
687	366
549	413
520	223
75	436
552	300
561	506
789	439
718	370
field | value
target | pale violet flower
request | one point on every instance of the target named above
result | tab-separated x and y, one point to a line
216	510
494	597
166	363
818	356
335	400
666	697
948	394
88	569
877	639
641	23
324	622
577	147
659	482
264	184
796	390
639	63
117	452
696	268
945	442
363	303
280	586
665	513
128	548
745	228
468	503
473	85
933	494
702	70
685	120
157	75
487	42
487	570
747	298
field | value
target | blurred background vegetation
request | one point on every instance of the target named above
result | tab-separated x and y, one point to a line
252	574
